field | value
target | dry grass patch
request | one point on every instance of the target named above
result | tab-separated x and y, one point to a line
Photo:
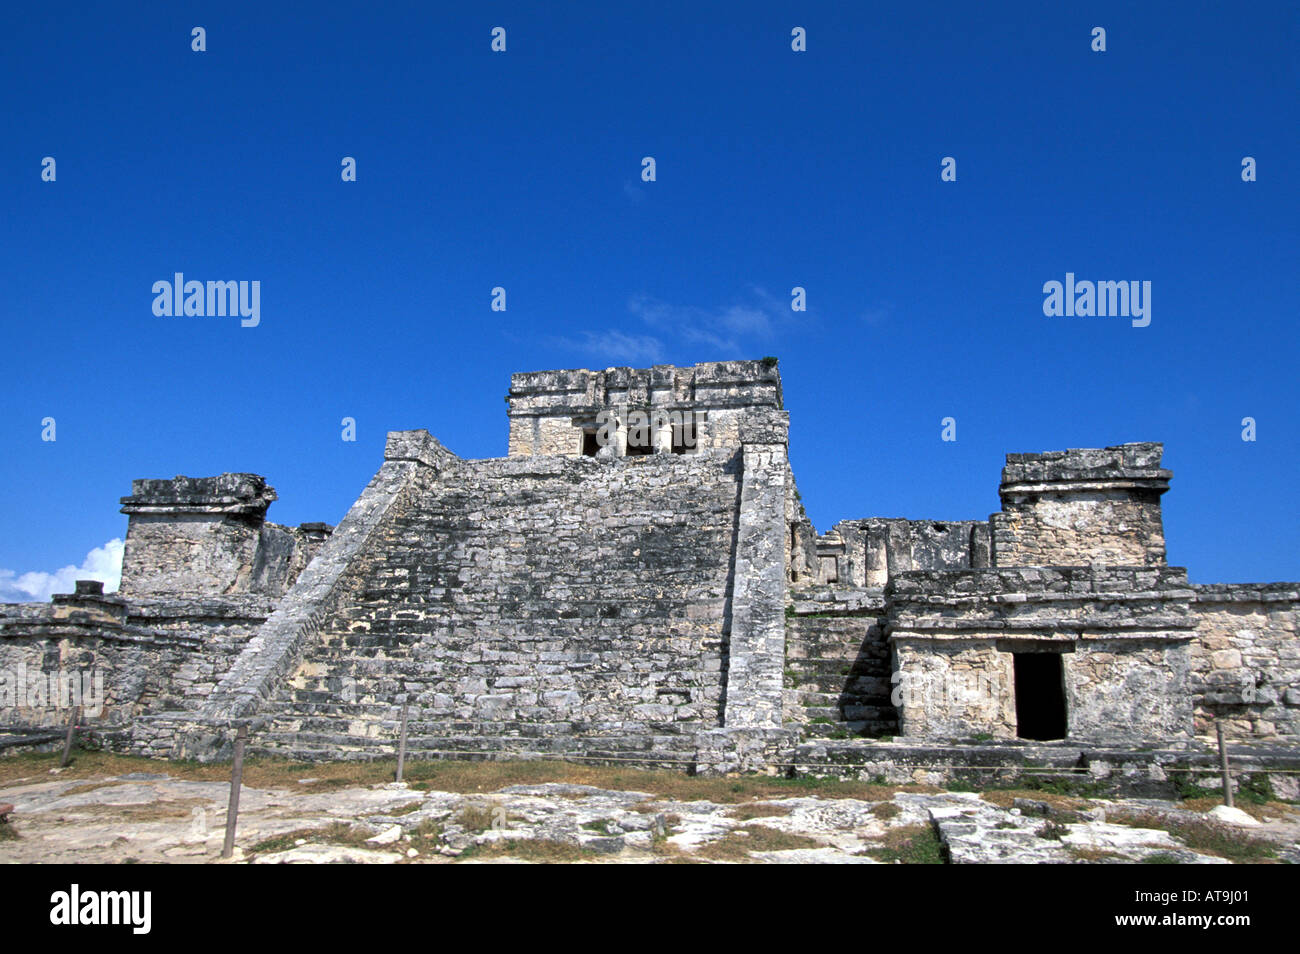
336	833
1258	812
1006	797
462	777
739	843
885	810
477	817
753	810
1204	836
164	810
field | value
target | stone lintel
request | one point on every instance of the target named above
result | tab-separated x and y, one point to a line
234	494
1124	467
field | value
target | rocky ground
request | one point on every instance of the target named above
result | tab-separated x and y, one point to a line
97	815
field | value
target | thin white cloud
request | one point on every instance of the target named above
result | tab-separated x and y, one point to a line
615	346
102	563
729	330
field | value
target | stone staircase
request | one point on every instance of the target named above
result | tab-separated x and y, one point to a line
346	704
837	670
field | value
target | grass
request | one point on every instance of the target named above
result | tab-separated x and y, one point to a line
8	832
337	833
426	836
461	777
476	817
1257	810
1206	837
1251	790
1053	831
754	810
886	810
909	845
739	843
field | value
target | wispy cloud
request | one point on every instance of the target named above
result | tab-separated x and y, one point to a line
35	586
877	315
727	331
617	346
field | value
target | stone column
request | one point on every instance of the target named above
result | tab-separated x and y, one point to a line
757	645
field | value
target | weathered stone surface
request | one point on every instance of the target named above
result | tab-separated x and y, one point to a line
155	817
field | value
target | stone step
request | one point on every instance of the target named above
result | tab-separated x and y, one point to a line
801	648
307	725
848	730
331	746
841	668
812	698
852	713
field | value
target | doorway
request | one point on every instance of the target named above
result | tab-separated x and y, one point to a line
1040	696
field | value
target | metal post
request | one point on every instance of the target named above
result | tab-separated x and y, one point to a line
236	780
401	745
72	731
1223	766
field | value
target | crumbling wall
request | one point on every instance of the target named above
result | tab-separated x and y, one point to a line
1246	660
115	658
208	536
877	548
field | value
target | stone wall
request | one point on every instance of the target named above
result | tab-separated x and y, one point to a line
1082	506
127	657
1246	660
1123	634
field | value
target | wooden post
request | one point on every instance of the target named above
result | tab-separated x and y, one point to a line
72	732
1223	766
401	745
236	780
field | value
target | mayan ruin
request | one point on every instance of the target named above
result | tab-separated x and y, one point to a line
637	579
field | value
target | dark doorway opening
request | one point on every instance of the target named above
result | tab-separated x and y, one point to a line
590	444
1040	696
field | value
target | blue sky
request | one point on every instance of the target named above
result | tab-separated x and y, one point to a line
521	169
